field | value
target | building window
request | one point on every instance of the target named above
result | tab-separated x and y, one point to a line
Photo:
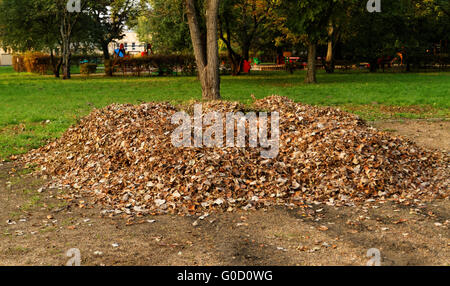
133	45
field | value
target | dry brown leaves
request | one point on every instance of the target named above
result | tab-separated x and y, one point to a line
122	157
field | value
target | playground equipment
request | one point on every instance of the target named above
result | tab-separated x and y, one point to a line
120	52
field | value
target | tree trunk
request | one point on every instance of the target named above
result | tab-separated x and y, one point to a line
66	32
55	66
311	73
245	54
58	68
105	51
66	58
236	64
212	50
68	21
106	60
373	65
329	60
234	58
207	57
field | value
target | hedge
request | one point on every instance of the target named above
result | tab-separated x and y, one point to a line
88	68
160	64
37	62
34	62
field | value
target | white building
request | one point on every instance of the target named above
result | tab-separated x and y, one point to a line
131	44
5	58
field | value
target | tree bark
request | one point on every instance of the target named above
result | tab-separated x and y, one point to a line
55	66
66	33
68	21
66	58
234	58
105	51
311	73
212	68
246	52
373	65
106	59
329	60
207	57
236	64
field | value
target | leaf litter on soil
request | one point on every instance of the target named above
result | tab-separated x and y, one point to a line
122	157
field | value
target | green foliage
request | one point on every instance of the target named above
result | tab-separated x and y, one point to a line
143	29
405	25
106	21
243	23
28	25
304	20
163	23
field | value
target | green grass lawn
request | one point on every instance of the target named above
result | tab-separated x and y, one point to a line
27	101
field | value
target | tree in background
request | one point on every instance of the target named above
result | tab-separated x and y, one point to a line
241	23
30	26
433	21
164	24
46	25
407	26
107	21
242	27
437	6
68	21
109	18
339	29
305	21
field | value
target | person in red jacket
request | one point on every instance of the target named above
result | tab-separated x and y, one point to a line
148	49
246	66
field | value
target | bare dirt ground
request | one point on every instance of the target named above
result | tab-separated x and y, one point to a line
38	229
433	134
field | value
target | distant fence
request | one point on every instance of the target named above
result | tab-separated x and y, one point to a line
153	64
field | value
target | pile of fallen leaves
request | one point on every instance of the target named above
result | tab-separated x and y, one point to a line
122	157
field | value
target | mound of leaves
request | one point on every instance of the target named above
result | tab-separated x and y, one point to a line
123	158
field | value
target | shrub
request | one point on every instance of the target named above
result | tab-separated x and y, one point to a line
37	62
32	62
109	66
18	63
88	68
